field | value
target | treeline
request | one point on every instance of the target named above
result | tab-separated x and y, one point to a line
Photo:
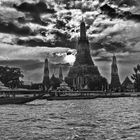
136	77
11	76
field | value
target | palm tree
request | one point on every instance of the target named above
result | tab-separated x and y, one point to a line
136	77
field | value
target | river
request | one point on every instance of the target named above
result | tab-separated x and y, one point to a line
97	119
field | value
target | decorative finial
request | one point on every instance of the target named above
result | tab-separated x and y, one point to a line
82	30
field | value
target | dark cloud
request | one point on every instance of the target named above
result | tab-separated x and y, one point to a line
107	9
34	42
39	7
60	24
103	58
96	46
15	29
35	9
69	53
130	16
110	46
115	47
63	39
60	40
37	19
27	65
118	13
124	2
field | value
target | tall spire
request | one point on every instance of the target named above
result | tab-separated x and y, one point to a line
82	30
60	74
114	60
114	65
83	68
83	56
46	81
115	81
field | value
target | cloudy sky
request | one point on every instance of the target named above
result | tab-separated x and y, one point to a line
31	30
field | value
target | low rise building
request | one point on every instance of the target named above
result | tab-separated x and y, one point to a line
127	85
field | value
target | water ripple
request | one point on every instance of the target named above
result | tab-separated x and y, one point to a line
100	119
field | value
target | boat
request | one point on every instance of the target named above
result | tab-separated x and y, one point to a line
10	97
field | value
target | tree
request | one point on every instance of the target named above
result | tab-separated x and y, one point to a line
11	76
136	78
104	83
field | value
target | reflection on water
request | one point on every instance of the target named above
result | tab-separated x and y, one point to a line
98	119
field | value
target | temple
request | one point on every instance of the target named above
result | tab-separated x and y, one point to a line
83	68
115	81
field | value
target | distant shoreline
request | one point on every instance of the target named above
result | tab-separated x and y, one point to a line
78	97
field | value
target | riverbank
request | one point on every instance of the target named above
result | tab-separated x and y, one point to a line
92	96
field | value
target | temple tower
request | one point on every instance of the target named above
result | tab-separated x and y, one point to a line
83	52
83	67
82	30
60	74
115	81
46	80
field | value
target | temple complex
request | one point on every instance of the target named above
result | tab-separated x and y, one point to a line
115	81
83	68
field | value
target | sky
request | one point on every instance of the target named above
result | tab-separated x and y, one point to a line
32	30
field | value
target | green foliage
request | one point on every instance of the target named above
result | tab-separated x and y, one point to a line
10	76
136	77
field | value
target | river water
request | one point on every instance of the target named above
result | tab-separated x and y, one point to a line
97	119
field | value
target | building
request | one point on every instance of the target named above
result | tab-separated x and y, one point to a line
83	68
127	85
46	80
115	84
64	87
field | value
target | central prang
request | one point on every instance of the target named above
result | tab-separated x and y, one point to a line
83	72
